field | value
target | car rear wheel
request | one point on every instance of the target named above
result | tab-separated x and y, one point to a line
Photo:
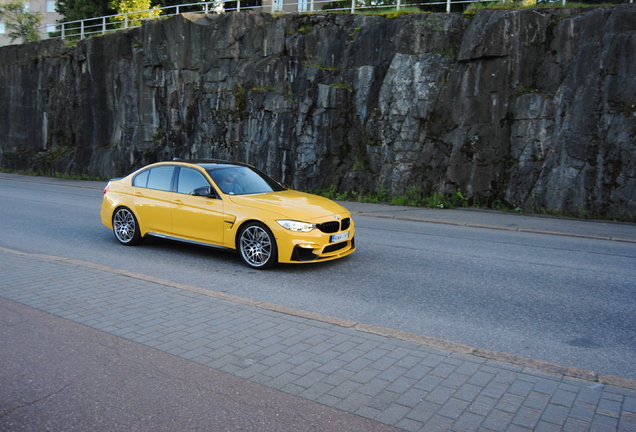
125	227
257	246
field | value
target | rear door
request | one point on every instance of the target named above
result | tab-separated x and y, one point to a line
152	195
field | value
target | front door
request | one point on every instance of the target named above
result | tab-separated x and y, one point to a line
196	218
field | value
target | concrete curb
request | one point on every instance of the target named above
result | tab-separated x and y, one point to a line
486	226
444	345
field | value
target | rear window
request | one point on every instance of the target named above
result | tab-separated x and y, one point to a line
159	178
141	179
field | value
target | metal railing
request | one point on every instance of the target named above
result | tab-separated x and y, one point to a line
98	26
101	25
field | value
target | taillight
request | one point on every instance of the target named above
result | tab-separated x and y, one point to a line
105	189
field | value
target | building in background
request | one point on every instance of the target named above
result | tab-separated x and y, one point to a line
50	17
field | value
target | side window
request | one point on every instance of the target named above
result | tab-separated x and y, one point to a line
141	179
189	180
160	178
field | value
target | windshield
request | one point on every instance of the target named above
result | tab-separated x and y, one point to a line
240	180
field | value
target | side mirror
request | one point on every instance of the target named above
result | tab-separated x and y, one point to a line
205	191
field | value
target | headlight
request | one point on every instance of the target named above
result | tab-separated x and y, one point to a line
296	226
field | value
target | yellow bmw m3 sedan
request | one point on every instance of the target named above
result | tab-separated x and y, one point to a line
228	205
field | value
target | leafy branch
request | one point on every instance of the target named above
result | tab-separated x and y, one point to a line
19	22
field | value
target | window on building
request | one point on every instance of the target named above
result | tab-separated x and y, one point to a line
2	31
50	6
50	28
27	7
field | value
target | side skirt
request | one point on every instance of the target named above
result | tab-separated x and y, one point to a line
179	239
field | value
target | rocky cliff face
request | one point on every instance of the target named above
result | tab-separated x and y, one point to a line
536	108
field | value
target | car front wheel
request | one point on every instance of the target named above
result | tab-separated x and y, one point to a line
257	246
125	227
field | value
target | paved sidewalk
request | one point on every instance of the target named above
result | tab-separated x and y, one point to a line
57	375
406	381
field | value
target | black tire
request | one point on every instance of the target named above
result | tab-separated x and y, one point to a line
125	227
257	246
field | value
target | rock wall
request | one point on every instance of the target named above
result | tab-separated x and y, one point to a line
534	108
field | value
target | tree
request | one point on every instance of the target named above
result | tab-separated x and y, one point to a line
73	10
127	7
19	22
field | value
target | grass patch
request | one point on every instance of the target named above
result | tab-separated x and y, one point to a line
521	90
305	29
320	67
341	86
507	5
412	198
388	13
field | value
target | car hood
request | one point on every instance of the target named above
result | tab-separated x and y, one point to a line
291	204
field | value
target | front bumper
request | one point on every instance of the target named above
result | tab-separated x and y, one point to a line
304	253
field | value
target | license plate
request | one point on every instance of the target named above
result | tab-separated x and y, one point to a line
339	237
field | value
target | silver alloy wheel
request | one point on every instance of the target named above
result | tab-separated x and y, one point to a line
256	246
125	226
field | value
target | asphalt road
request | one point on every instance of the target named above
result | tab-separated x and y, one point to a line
566	300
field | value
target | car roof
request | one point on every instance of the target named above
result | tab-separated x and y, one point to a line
208	164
